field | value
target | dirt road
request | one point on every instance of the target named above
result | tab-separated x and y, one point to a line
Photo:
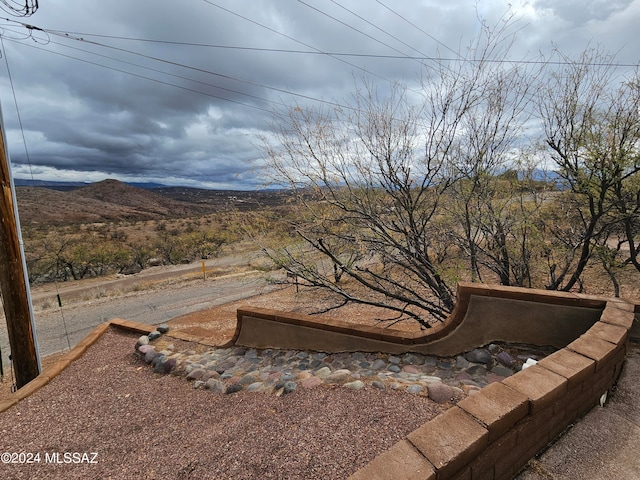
167	292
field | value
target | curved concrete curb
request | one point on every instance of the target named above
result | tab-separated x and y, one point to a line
483	314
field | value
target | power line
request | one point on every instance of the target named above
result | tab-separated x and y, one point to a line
19	9
439	61
80	36
294	39
424	57
457	54
197	69
146	78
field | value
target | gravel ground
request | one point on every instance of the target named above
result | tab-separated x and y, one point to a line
145	425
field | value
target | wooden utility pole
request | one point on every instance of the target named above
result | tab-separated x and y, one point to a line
13	278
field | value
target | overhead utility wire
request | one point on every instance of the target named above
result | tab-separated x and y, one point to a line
182	77
189	67
403	56
424	56
352	27
294	39
143	77
457	54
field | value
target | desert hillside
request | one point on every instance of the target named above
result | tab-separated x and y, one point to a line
109	200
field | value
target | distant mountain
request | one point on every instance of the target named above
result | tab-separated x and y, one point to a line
109	200
63	186
112	200
66	186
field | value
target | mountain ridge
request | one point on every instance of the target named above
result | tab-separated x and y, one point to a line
108	200
112	200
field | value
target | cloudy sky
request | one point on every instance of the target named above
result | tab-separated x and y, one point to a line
177	92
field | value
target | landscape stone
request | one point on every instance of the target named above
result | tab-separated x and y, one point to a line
149	356
410	369
439	392
210	374
311	382
355	385
502	371
143	340
196	374
394	360
323	372
430	361
169	365
411	359
255	387
289	387
379	364
461	362
505	359
476	370
158	363
415	388
251	353
479	355
233	388
215	385
154	335
164	328
339	376
146	348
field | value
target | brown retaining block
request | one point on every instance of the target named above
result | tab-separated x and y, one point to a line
541	386
499	408
494	433
450	441
401	461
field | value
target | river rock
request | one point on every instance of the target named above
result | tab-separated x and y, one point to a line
415	389
154	335
196	374
505	359
439	392
146	348
311	382
233	388
323	372
339	376
479	355
355	385
215	385
378	364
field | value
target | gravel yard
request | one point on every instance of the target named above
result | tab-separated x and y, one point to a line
146	425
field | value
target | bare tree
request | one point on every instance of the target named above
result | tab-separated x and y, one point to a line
374	175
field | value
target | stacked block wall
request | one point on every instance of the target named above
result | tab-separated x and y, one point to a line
493	434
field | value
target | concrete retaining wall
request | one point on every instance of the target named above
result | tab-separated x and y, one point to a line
493	434
483	314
